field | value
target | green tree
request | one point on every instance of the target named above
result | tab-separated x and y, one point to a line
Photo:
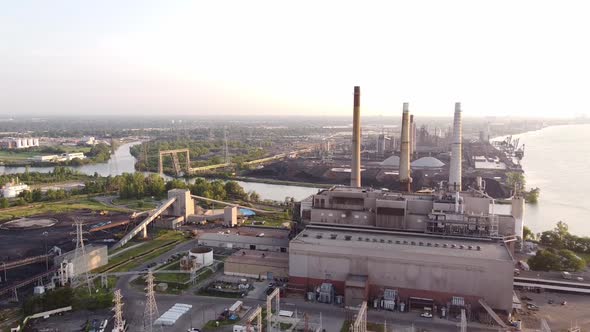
515	181
533	196
4	203
570	261
234	190
545	260
527	234
36	195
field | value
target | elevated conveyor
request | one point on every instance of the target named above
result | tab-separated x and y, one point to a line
142	226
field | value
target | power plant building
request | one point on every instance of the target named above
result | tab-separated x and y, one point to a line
361	264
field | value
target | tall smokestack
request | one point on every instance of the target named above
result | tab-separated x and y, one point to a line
355	172
404	158
456	152
412	137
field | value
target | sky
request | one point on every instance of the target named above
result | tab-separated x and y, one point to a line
527	58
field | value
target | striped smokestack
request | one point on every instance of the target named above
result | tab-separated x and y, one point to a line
456	152
404	158
355	172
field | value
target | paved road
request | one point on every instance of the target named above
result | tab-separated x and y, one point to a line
206	308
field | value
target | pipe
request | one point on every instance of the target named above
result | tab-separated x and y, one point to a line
355	171
455	171
404	158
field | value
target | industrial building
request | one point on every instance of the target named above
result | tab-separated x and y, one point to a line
446	246
95	257
18	143
13	188
236	241
361	264
257	264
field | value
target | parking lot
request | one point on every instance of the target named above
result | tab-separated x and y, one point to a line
559	317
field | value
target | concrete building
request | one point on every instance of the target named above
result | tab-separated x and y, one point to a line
362	263
257	264
18	143
13	189
244	242
230	216
96	256
471	214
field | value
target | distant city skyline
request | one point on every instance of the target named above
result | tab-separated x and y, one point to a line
504	58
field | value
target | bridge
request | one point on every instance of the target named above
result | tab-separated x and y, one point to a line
25	261
142	226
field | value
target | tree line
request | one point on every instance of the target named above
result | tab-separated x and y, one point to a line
561	249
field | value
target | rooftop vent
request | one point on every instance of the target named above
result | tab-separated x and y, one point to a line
397	242
374	240
319	236
333	236
445	245
453	245
429	244
462	246
360	238
347	237
421	243
405	242
382	240
436	244
470	247
389	241
367	239
413	243
478	248
305	235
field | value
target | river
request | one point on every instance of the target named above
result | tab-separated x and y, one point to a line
123	162
556	160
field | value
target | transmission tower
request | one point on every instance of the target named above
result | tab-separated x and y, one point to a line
151	308
80	261
118	309
225	148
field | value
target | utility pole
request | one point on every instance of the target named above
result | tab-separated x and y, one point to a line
151	308
119	322
80	258
45	250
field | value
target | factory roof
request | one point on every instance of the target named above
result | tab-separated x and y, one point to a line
427	162
269	241
257	257
403	242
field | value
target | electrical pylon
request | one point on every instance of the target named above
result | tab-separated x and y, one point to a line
80	258
118	309
151	308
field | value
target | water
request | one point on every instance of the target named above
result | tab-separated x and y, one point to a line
556	160
278	192
121	162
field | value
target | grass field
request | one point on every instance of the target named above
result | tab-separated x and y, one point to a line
72	204
164	238
143	204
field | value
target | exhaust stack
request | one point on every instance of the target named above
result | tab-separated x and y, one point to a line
404	158
355	171
455	172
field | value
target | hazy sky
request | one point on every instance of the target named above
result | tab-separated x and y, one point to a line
522	58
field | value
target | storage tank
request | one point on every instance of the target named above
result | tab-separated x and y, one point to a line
203	255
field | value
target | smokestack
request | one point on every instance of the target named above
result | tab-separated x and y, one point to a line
412	137
404	158
355	172
456	152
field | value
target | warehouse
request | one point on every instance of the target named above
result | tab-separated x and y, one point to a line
362	263
235	241
257	264
96	256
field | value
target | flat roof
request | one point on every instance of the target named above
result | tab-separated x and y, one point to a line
263	240
410	242
255	257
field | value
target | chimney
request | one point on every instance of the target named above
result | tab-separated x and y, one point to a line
355	171
412	137
456	152
404	158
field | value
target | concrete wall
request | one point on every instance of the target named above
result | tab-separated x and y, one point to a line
245	242
96	256
459	276
230	216
184	205
254	271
